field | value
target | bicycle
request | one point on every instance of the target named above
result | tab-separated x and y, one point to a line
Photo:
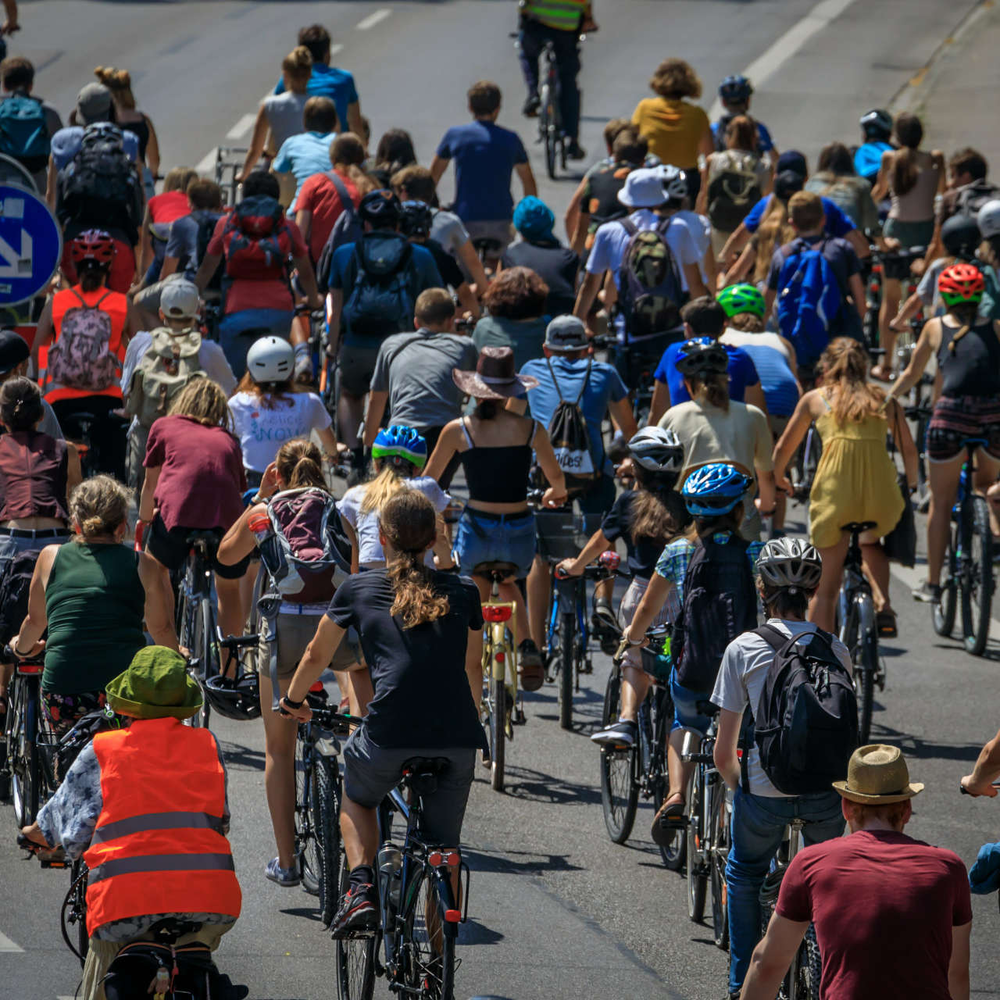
858	630
418	910
228	167
968	564
25	724
639	365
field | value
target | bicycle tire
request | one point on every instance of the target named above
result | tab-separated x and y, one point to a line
305	839
206	646
498	732
865	656
567	626
547	128
943	613
431	965
977	579
32	768
326	825
718	854
25	798
696	875
674	852
809	967
355	958
619	784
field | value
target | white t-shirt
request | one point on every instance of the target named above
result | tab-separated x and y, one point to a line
262	430
741	682
365	525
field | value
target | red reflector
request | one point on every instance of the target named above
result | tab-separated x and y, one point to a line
500	657
30	668
453	916
435	859
454	859
497	612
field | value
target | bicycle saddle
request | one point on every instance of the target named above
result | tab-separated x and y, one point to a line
503	569
859	527
421	773
208	537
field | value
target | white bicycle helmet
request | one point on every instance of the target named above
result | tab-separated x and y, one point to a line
674	182
657	449
787	563
989	219
271	359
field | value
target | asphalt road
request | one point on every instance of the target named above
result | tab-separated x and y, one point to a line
557	911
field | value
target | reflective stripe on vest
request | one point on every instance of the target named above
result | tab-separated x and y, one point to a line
565	15
157	821
162	863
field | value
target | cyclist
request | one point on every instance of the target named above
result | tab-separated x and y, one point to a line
734	95
967	192
876	129
514	315
268	409
162	210
128	116
495	447
15	357
88	595
788	571
295	474
836	179
421	632
102	319
855	479
966	413
17	78
148	784
308	152
394	152
561	23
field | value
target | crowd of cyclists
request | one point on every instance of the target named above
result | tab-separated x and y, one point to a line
702	345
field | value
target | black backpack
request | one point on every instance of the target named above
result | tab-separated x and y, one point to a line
570	437
206	219
381	300
806	725
720	603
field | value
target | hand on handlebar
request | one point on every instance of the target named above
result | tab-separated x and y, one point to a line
568	567
553	497
301	714
988	790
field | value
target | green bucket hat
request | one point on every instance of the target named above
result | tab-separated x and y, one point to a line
156	685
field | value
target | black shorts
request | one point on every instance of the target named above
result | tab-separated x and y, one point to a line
171	548
357	366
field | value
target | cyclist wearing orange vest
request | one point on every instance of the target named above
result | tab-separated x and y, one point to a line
135	804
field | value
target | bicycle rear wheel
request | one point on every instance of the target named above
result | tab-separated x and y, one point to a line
619	787
718	849
696	874
547	127
865	656
943	613
355	958
208	652
431	952
306	842
977	578
326	830
809	968
567	628
26	778
498	732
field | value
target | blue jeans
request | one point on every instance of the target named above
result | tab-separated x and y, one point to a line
758	824
239	330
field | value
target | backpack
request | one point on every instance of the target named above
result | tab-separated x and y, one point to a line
256	240
806	725
734	190
206	220
170	362
24	133
809	300
650	292
970	199
720	603
346	229
100	186
14	593
381	303
82	358
571	438
186	972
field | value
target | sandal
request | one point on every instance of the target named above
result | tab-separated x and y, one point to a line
666	823
885	621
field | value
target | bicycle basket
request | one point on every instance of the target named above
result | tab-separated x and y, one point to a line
561	534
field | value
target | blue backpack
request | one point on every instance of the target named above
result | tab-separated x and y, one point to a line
809	300
24	135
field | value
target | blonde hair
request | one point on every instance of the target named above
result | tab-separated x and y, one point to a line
712	388
775	231
298	65
203	400
300	463
388	481
844	365
179	178
98	506
119	82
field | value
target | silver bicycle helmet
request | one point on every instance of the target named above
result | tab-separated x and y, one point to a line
271	359
657	449
786	563
674	182
989	219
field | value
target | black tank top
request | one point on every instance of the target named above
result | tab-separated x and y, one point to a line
973	369
140	129
497	475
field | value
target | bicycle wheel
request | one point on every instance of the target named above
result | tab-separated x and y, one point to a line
16	751
862	644
567	628
355	958
208	651
718	852
498	732
977	578
547	128
26	777
619	787
943	613
697	876
674	852
429	951
809	968
326	826
305	838
73	917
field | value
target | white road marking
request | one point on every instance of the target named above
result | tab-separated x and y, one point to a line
767	64
207	162
241	128
375	17
6	945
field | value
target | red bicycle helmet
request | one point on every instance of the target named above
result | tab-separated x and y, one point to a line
961	283
93	244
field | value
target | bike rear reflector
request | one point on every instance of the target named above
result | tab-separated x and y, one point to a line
453	859
453	916
435	859
30	668
497	612
500	657
316	687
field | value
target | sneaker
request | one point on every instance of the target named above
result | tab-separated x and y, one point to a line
621	733
605	633
287	878
531	106
358	911
929	593
530	668
575	151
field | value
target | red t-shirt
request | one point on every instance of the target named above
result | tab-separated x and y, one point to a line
201	473
168	206
883	905
319	196
267	294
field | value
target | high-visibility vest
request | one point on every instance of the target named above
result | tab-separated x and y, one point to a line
159	845
566	15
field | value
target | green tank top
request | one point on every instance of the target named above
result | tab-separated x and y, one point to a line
566	15
94	603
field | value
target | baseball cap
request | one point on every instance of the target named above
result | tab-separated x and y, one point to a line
566	333
13	350
792	159
93	103
180	300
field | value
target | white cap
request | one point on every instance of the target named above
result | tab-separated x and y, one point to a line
180	299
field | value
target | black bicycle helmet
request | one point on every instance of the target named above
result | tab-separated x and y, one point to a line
380	208
234	699
702	356
876	124
960	235
416	219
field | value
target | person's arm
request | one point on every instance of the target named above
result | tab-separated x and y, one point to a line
467	255
438	166
528	185
754	396
303	219
206	270
474	664
986	771
596	544
772	957
857	290
701	203
736	241
74	471
257	141
739	271
958	966
36	621
307	278
145	247
446	446
727	738
169	267
769	297
152	150
623	417
935	248
467	299
587	294
710	268
354	122
706	144
790	440
765	492
314	661
10	25
352	537
238	542
51	186
335	306
43	334
862	248
578	237
911	307
927	344
147	505
573	212
555	495
904	442
660	402
377	400
696	287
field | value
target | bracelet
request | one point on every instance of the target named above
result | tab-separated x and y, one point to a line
292	704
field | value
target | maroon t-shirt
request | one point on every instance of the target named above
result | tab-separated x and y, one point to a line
883	905
201	473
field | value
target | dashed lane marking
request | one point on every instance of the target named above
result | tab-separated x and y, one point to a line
207	162
243	126
375	17
8	946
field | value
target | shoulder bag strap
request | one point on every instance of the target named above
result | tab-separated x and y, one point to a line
586	379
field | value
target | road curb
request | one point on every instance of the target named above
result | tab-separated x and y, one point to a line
912	95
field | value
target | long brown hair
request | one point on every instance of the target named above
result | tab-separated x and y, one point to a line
775	231
658	513
910	134
203	400
299	463
965	313
712	388
268	393
409	524
844	365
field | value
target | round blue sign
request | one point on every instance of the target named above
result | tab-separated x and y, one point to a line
30	245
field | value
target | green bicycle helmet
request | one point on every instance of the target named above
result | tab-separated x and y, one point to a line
743	298
400	444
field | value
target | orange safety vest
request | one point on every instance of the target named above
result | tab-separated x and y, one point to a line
159	845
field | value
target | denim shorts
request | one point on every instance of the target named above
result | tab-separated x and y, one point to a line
686	714
483	538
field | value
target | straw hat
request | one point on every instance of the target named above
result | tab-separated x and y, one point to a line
878	775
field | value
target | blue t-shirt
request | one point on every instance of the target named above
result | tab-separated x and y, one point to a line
604	386
741	373
868	159
328	81
485	156
837	223
303	155
781	392
65	144
764	141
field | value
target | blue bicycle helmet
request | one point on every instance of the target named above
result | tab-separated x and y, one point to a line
400	444
714	489
735	88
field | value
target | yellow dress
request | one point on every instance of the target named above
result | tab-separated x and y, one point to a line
855	479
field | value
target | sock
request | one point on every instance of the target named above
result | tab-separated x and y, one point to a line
362	875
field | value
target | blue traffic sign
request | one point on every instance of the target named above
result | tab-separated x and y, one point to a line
30	245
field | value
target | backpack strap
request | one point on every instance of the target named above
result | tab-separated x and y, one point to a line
555	381
346	201
772	636
586	380
629	226
72	288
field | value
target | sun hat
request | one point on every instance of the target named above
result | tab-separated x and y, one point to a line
156	685
533	218
566	333
93	103
643	189
877	775
494	377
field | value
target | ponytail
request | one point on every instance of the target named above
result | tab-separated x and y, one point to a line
300	464
712	388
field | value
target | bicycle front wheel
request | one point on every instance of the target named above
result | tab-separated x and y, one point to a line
498	731
718	848
355	958
977	579
306	843
207	651
547	127
326	830
943	613
861	641
619	788
26	776
567	627
696	873
430	946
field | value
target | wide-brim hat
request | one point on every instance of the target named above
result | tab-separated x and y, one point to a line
156	685
643	188
495	376
877	775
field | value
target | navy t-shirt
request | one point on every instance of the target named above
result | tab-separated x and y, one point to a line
617	523
485	156
837	222
422	695
742	372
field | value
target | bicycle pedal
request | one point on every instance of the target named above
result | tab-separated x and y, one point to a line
517	717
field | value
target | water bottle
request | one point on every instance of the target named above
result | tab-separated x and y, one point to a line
390	861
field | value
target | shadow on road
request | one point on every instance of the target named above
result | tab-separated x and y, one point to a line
242	758
515	862
536	786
